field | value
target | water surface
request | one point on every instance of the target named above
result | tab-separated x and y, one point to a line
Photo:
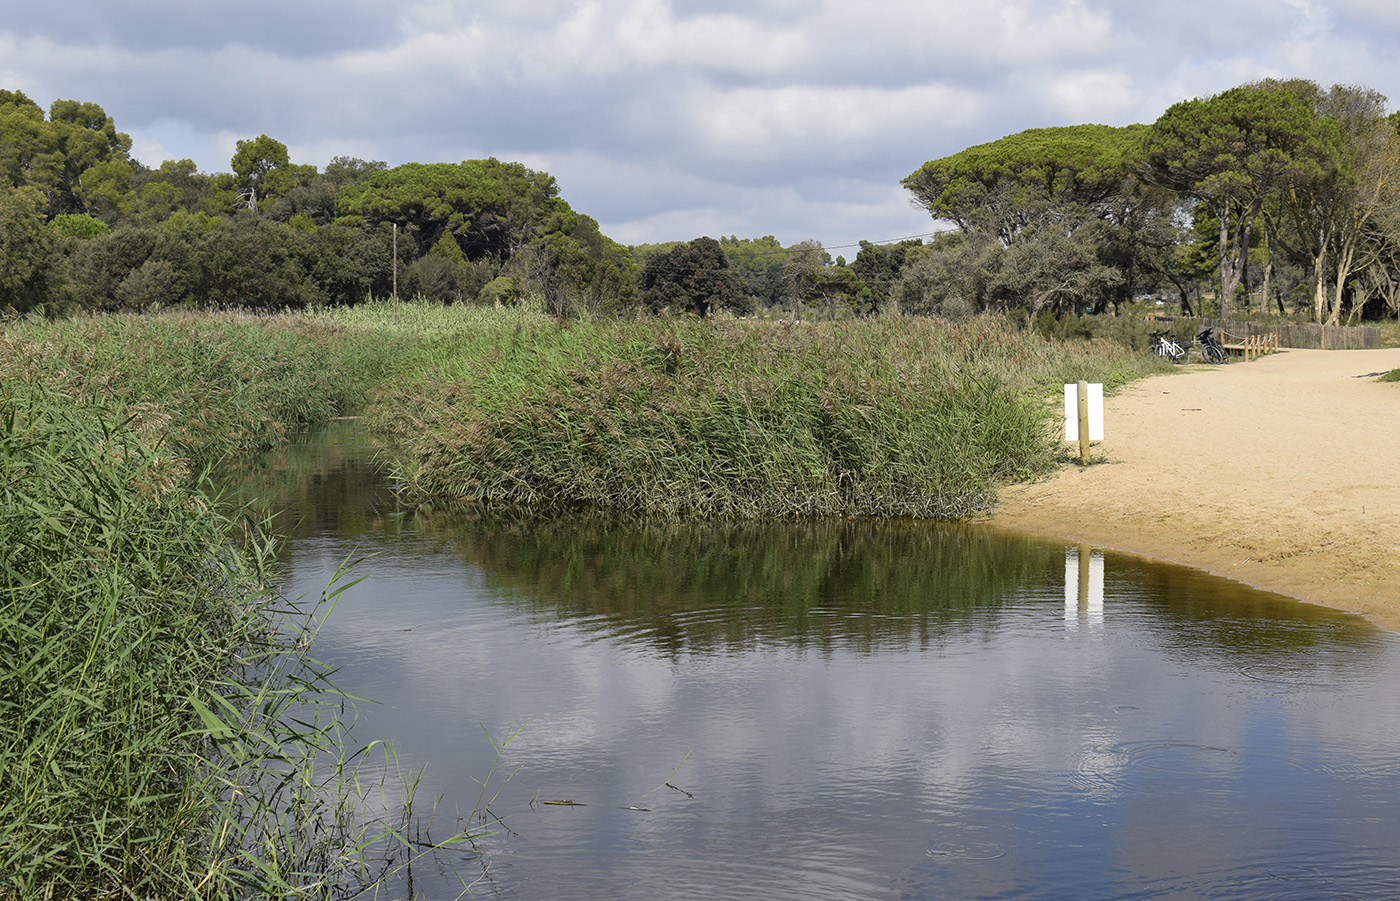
847	710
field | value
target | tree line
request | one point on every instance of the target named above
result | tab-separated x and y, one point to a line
1276	193
83	225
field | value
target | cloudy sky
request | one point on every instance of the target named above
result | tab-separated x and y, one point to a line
669	119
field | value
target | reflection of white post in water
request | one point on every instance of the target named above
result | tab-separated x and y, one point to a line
1083	587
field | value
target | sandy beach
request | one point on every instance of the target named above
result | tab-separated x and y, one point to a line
1283	473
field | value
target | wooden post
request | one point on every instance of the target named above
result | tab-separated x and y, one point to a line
1086	576
1083	423
396	273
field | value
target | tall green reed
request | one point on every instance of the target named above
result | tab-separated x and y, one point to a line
164	732
886	417
220	384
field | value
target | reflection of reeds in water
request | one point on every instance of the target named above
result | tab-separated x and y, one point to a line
862	583
163	731
865	584
331	477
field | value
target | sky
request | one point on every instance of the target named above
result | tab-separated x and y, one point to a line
670	119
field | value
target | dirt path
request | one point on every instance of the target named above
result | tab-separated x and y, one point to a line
1283	473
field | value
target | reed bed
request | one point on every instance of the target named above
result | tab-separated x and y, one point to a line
163	733
214	385
735	419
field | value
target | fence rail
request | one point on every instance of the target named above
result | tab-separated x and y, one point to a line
1296	334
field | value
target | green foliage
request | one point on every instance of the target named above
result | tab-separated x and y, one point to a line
252	263
489	207
345	170
662	417
175	187
78	225
347	264
96	169
262	169
448	249
1232	152
1052	218
1049	270
1235	145
952	278
247	262
312	199
1129	331
27	274
500	291
759	261
27	147
1342	220
879	266
442	279
870	577
165	734
988	187
219	385
1067	219
838	289
575	267
77	158
693	278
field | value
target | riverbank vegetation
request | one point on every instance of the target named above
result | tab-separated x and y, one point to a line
163	731
683	418
652	416
212	386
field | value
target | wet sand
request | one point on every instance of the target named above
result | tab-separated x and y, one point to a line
1283	473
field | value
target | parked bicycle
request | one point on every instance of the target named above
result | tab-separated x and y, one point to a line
1212	351
1164	346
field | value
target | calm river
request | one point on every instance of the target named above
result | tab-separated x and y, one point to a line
847	710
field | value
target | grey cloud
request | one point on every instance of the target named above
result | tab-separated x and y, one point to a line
660	115
309	29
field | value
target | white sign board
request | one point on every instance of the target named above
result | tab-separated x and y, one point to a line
1095	412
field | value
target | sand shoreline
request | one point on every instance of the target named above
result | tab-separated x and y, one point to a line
1282	473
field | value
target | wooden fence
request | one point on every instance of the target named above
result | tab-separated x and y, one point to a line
1296	334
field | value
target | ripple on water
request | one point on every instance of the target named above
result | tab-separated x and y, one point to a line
1315	674
1144	766
1335	873
967	851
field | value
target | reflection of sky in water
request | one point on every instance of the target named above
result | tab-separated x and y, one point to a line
1171	735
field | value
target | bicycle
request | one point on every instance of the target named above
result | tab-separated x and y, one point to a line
1164	346
1212	351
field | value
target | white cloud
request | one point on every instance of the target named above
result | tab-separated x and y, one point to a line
708	113
796	120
